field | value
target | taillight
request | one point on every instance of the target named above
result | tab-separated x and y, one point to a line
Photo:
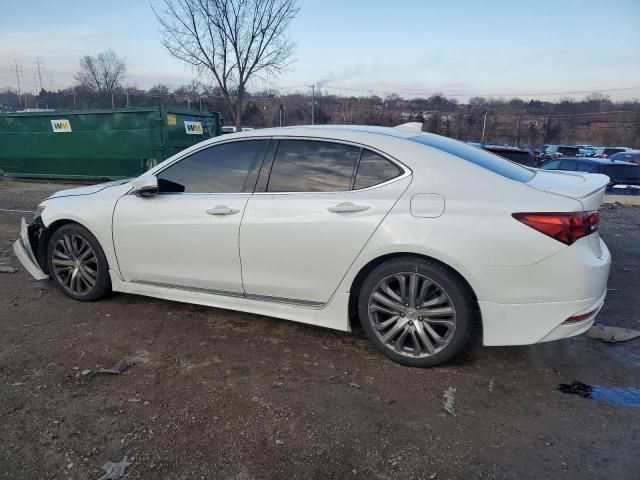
564	227
581	317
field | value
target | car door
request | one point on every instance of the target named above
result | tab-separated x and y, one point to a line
316	205
187	234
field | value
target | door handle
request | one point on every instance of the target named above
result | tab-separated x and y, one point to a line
222	210
348	207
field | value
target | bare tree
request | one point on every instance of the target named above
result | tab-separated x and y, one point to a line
233	41
101	74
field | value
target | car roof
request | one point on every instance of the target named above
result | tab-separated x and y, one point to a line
398	132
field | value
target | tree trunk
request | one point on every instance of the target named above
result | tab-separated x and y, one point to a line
238	112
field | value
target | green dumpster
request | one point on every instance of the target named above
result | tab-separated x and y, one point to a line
98	144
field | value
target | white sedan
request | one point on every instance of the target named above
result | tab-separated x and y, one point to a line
421	239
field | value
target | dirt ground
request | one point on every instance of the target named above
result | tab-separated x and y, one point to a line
220	394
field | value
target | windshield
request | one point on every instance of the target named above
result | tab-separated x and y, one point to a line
477	156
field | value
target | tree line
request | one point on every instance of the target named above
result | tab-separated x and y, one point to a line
231	43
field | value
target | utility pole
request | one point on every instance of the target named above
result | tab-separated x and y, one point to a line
200	107
313	104
75	105
18	70
127	93
113	102
39	72
518	132
484	127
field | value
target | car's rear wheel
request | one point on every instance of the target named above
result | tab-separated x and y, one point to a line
416	312
77	263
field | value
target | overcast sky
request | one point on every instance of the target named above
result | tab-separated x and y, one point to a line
461	48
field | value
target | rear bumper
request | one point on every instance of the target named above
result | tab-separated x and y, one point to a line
24	253
574	283
528	323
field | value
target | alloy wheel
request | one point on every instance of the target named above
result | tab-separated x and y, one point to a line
412	315
75	264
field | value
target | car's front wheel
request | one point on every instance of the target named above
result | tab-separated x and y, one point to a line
416	312
77	263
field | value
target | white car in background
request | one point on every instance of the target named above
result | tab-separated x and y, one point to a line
421	239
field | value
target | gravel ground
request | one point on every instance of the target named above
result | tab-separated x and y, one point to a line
222	394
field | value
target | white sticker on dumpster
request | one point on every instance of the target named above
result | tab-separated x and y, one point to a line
60	126
193	128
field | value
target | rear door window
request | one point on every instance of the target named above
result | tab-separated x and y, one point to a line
584	167
374	169
551	165
312	166
570	165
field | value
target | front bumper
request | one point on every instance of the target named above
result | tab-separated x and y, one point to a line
24	252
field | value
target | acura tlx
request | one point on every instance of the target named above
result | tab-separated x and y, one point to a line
423	240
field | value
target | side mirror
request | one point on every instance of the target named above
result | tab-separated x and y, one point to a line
146	186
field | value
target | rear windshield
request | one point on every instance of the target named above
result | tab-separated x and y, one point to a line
523	158
477	156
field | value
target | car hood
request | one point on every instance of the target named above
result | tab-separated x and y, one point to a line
87	190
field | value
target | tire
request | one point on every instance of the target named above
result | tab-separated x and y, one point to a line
438	317
72	248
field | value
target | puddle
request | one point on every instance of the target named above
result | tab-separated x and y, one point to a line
628	396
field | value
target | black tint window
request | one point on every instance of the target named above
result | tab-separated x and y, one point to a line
552	165
584	167
477	156
523	158
568	165
571	151
609	151
374	169
310	166
622	173
224	168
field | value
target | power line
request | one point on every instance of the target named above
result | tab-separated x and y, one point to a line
525	94
39	72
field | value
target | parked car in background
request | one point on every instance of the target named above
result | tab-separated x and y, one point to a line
540	150
234	129
605	152
515	154
557	151
586	150
619	172
632	156
421	239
